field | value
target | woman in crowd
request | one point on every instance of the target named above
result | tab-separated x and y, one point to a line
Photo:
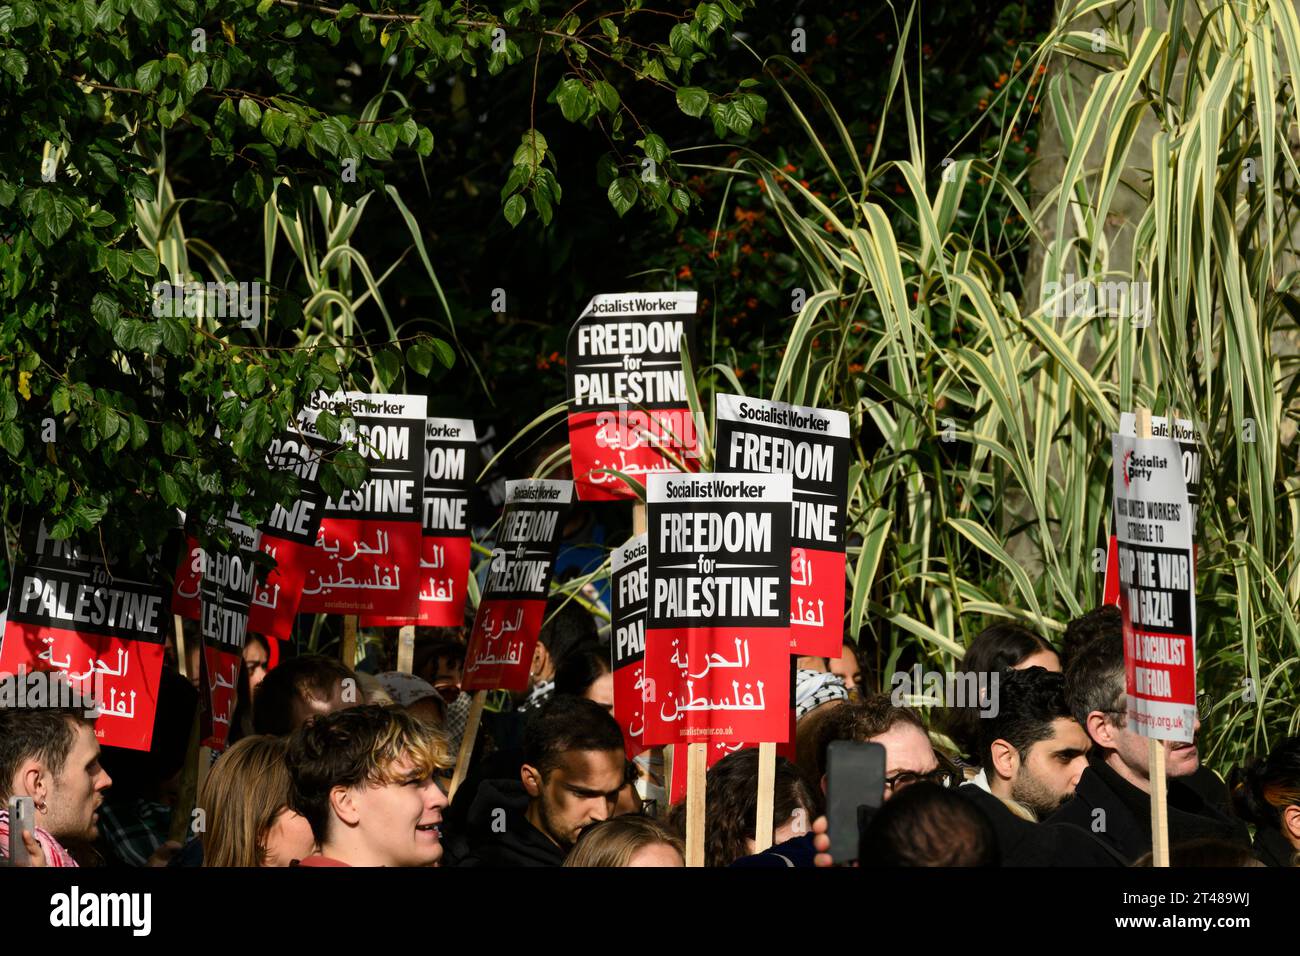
1267	794
245	799
627	841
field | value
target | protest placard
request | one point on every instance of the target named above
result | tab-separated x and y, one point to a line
627	390
450	452
629	580
288	536
1189	447
72	611
367	554
510	614
229	576
812	446
1156	575
717	654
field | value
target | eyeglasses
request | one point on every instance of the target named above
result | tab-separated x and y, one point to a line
905	778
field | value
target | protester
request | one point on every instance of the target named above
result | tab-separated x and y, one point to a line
50	754
568	626
1205	852
136	816
572	772
997	648
627	841
1266	793
909	755
731	810
817	694
257	659
848	668
364	780
928	825
299	688
245	803
586	672
1116	780
1033	752
1086	628
415	696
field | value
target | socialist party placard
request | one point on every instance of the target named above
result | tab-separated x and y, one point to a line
509	618
69	611
717	654
629	580
450	452
1156	572
812	446
367	555
627	391
1189	447
288	536
228	577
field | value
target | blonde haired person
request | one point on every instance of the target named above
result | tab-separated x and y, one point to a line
627	841
245	800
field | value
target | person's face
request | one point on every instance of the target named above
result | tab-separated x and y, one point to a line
629	801
400	821
602	691
305	707
1047	660
449	673
1051	769
290	838
657	854
907	750
255	661
75	794
583	789
1181	759
846	666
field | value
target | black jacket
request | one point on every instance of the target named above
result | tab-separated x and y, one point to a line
1022	843
491	839
1272	847
1126	823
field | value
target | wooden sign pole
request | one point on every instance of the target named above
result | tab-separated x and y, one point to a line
766	786
1156	747
406	649
348	652
467	742
696	764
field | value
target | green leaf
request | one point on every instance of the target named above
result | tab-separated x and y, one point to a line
622	194
220	74
515	208
574	98
388	363
52	215
250	111
146	77
175	335
328	134
117	262
327	423
144	262
11	437
709	16
420	358
445	355
654	147
196	77
274	123
170	490
350	467
606	93
692	100
146	10
733	116
104	308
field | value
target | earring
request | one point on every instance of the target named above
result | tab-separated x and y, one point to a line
40	806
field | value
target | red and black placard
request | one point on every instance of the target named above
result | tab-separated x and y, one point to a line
812	446
717	655
71	611
367	555
225	598
629	583
510	614
450	452
627	391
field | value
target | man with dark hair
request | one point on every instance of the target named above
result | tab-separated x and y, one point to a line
928	825
1113	796
1083	630
572	772
1033	752
363	778
909	755
299	688
568	626
51	755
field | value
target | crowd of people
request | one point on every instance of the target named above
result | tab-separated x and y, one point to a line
330	766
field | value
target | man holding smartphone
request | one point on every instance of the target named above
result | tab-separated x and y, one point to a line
50	756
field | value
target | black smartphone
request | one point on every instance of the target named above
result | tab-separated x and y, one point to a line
855	788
